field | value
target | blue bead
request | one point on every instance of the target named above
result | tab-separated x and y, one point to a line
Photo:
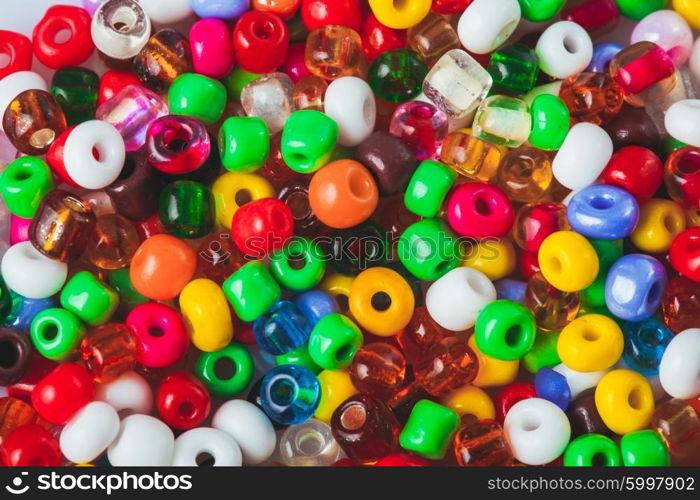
603	53
315	304
635	286
552	386
220	9
290	394
645	343
23	310
511	290
282	329
603	212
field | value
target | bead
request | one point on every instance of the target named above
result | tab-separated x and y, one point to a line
336	387
605	212
88	434
552	308
128	392
89	299
16	83
162	266
456	299
591	97
74	50
644	71
333	52
470	156
471	400
584	140
485	24
290	394
378	370
397	75
84	142
568	261
675	422
593	15
400	16
479	210
445	366
302	252
503	121
30	445
63	392
249	427
295	194
378	38
271	98
18	49
120	29
17	353
428	250
231	190
108	351
191	445
31	274
681	176
637	170
592	449
132	194
182	401
143	441
428	188
680	121
161	12
334	341
637	10
564	49
349	101
603	53
317	13
482	443
160	332
237	132
633	126
525	174
177	144
537	430
686	8
505	330
514	69
166	55
260	41
678	371
75	90
207	315
262	226
32	121
553	387
283	8
429	430
56	332
590	343
112	82
197	96
212	48
669	31
23	184
660	221
644	449
220	10
421	126
539	10
624	400
315	304
679	303
634	287
389	159
187	209
305	152
492	372
432	37
282	329
645	343
294	453
251	291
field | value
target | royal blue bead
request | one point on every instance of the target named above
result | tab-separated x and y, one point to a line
23	310
282	329
635	286
221	9
603	53
645	343
315	304
603	212
552	386
511	290
290	394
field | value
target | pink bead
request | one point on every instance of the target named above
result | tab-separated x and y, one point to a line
92	5
294	65
479	210
212	48
19	229
160	333
421	126
669	31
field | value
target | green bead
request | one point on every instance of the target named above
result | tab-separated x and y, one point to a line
89	299
236	80
226	372
669	145
592	450
608	252
514	69
334	342
309	256
186	209
197	96
244	143
543	353
429	429
537	11
299	357
342	153
644	449
550	122
397	75
505	330
428	249
120	281
638	9
75	90
23	184
251	291
428	188
56	332
308	140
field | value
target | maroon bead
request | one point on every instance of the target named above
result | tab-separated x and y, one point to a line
15	355
135	192
389	159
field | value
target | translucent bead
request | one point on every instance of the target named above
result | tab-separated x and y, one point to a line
309	93
470	156
113	242
290	394
397	75
645	72
310	444
482	443
525	173
503	120
592	97
432	37
552	308
32	122
645	343
120	28
334	51
421	126
678	423
669	31
271	98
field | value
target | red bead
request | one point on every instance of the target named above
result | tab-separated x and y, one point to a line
529	264
511	394
446	366
112	82
401	460
260	41
63	392
161	334
262	226
536	221
377	38
30	445
637	170
54	158
685	253
480	210
593	15
39	367
182	401
18	49
450	6
244	331
646	70
345	462
149	227
682	176
56	53
317	13
681	304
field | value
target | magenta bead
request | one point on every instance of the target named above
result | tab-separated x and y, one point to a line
421	126
19	229
161	334
177	144
479	210
295	65
669	31
212	48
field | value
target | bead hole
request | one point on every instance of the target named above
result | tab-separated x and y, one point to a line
296	261
342	301
9	355
482	207
205	459
75	204
602	203
443	267
49	331
155	331
283	392
400	4
224	369
381	301
479	284
353	417
123	20
186	409
242	197
345	353
62	36
530	423
423	112
654	293
22	174
590	335
689	163
571	44
599	460
263	30
635	399
555	265
512	336
671	224
309	443
360	185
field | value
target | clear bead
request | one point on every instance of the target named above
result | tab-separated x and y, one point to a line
120	28
271	98
309	444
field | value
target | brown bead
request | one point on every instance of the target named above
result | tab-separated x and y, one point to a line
275	169
378	369
33	121
113	242
389	159
166	56
482	443
420	333
135	192
15	355
681	304
584	417
432	37
525	173
108	351
678	423
309	93
591	97
295	194
446	366
552	308
218	258
470	156
633	127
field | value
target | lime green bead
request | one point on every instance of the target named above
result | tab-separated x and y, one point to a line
428	188
236	80
233	358
300	357
89	299
429	429
428	250
543	352
638	9
56	332
313	265
592	449
23	184
644	449
505	330
608	252
334	342
540	10
669	145
244	143
197	96
120	281
308	140
251	291
550	122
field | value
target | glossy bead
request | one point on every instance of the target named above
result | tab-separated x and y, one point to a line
16	83
568	261
198	96
389	159
164	12
553	309
300	251
132	194
166	55
89	299
282	329
492	372
30	445
295	454
567	163
421	126
634	287
400	16
309	93
537	430
679	368
74	50
249	427
445	366
397	75
191	445
162	266
290	394
470	156
432	37
590	343
18	49
378	38
75	90
514	69
88	434
602	55
478	210
485	25
262	226
251	291
207	315
378	370
17	353
315	304
336	387
686	9
63	392
112	82
636	169
681	176
669	31
482	443
295	194
120	29
305	152
333	52
625	401
633	127
429	429
591	97
644	71
143	441
645	343
233	189
108	351
503	121
270	98
32	121
564	49
525	174
212	48
56	332
94	154
401	460
177	144
187	209
675	422
553	387
593	15
472	401
160	332
592	449
226	372
23	184
505	330
660	221
420	333
605	212
456	299
428	250
428	188
182	401
679	302
334	341
260	41
30	273
128	392
644	448
349	101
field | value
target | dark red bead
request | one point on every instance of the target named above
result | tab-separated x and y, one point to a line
182	401
63	392
18	48
30	445
592	15
262	226
511	394
56	53
260	41
450	6
112	82
637	170
135	192
317	13
377	38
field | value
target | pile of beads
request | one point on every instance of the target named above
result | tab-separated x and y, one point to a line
315	232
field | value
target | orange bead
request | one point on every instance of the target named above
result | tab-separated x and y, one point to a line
343	193
162	266
283	8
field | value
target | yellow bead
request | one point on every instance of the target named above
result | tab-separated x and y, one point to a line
338	285
207	315
660	221
689	10
336	387
625	401
470	400
366	292
568	261
495	258
590	343
400	15
492	372
233	189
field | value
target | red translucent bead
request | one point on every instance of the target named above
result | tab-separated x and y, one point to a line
685	253
149	227
63	392
262	226
109	351
637	170
511	394
481	444
377	38
378	369
112	82
30	445
529	264
15	412
401	460
182	401
345	462
421	126
18	48
420	333
593	15
681	304
260	41
51	49
218	258
161	334
682	176
177	144
652	66
275	169
535	221
479	210
446	366
450	6
317	13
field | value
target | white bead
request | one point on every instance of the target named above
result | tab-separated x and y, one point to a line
455	300
682	121
14	84
89	432
564	49
350	102
82	166
538	431
679	371
486	24
123	42
219	445
167	11
250	427
30	273
143	441
130	392
583	156
694	62
579	381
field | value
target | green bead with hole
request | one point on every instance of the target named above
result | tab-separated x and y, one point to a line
505	330
334	342
89	299
23	184
56	332
244	143
299	266
428	250
592	450
226	372
308	140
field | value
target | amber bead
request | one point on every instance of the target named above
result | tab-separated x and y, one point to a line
445	366
432	37
633	127
135	192
678	423
591	97
113	242
109	351
166	55
295	194
525	173
470	156
482	444
334	51
15	412
15	355
681	304
378	369
420	333
218	258
389	159
584	417
309	93
552	308
32	122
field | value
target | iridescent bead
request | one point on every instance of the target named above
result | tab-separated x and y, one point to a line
421	126
271	98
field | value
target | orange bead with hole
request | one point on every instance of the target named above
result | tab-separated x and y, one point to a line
162	266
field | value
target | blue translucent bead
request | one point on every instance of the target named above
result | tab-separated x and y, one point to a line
24	309
645	343
290	394
282	329
220	9
552	386
603	53
511	290
635	286
603	212
315	304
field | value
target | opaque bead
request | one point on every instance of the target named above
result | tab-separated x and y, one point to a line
260	41
644	449
63	392
220	10
592	449
637	10
584	140
207	315
142	441
470	401
400	16
634	287
334	342
244	143
495	258
679	367
625	401
603	53
212	48
18	48
605	212
56	332
336	387
485	24
251	291
428	250
553	387
539	10
17	356
568	261
30	445
590	343
660	221
492	372
237	359
564	49
292	277
550	122
262	226
308	140
389	159
429	429
89	299
636	169
428	188
197	96
30	273
182	401
177	144
162	266
505	330
231	190
644	71
686	8
73	51
160	333
23	184
479	210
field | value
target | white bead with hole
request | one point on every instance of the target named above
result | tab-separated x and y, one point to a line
120	28
30	273
14	84
679	371
197	445
249	427
487	24
583	156
130	393
89	432
564	49
682	121
94	154
350	102
143	441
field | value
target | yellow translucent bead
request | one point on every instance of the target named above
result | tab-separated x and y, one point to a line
233	189
590	343
470	156
689	10
568	261
492	372
336	387
381	301
625	401
207	315
495	258
338	285
400	15
470	400
660	221
692	217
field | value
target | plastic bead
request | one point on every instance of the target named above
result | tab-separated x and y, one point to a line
675	421
681	176
56	332
586	144
471	401
260	41
634	287
75	90
182	401
262	226
686	9
482	443
397	75
161	267
428	250
143	441
30	273
89	299
302	152
197	96
660	221
349	101
485	25
120	29
429	429
251	291
421	126
505	330
568	261
334	341
177	144
678	371
553	387
73	51
23	184
128	392
249	427
192	444
637	170
603	53
428	188
109	351
88	434
400	16
644	449
160	334
644	71
333	52
212	48
389	159
479	210
317	13
492	371
679	302
336	387
16	83
625	401
539	10
207	315
604	212
231	191
63	392
590	343
237	132
312	265
18	48
282	329
209	370
456	299
166	12
525	173
112	82
290	394
564	49
593	15
83	143
220	10
30	445
187	209
645	343
592	449
680	121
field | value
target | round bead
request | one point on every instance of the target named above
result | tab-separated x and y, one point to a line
400	16
89	432
503	121
550	122
505	330
120	28
479	210
645	344
182	401
170	12
681	121
634	287
308	140
29	445
30	273
349	101
644	449
397	75
162	266
89	169
233	189
590	343
13	85
660	221
143	441
637	170
63	392
538	431
568	261
336	387
564	49
191	445
290	394
177	144
604	212
592	449
262	226
260	41
582	157
249	427
207	315
486	24
292	277
334	341
669	31
625	401
56	332
237	359
128	392
19	51
74	50
679	371
160	333
220	10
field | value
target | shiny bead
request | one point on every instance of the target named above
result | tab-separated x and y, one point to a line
682	176
637	170
432	37
162	266
456	299
514	69
295	454
226	372
564	49
492	372
634	287
553	309
187	209
482	443
397	75
660	221
120	29
108	351
93	154
198	96
568	261
249	427
505	330
219	10
633	127
525	174
584	140
75	90
295	194
593	15
591	97
378	370
537	430
88	434
207	315
472	401
260	41
669	31
233	189
192	444
23	184
63	392
19	52
16	358
333	52
251	291
160	333
128	392
112	82
309	93
605	212
389	159
445	366
678	369
603	53
32	121
378	38
164	12
429	429
428	250
334	341
305	152
132	194
470	156
177	144
485	25
30	445
30	273
686	8
290	276
282	329
89	299
590	343
645	343
503	121
143	441
625	401
675	424
400	16
538	10
270	98
644	71
262	226
56	332
428	188
74	50
350	102
479	210
182	401
290	394
592	449
212	48
420	333
166	56
644	448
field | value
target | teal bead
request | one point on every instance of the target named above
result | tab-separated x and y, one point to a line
538	11
550	122
23	184
197	96
56	333
429	430
428	250
428	188
591	450
244	143
237	366
89	299
308	140
75	90
505	330
397	75
514	69
300	357
251	291
186	209
309	271
334	341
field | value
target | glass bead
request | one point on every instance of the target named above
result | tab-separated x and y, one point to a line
282	329
378	370
295	194
75	90
120	29
678	423
109	351
682	176
177	144
309	93
132	194
445	366
187	209
525	174
271	98
645	343
309	444
334	51
421	126
603	53
535	221
166	56
218	258
33	121
113	242
470	156
397	75
681	304
645	73
432	37
669	31
482	444
514	69
503	121
552	308
290	394
591	97
593	15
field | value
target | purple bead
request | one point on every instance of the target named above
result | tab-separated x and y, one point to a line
635	286
220	9
421	126
511	290
603	53
92	5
